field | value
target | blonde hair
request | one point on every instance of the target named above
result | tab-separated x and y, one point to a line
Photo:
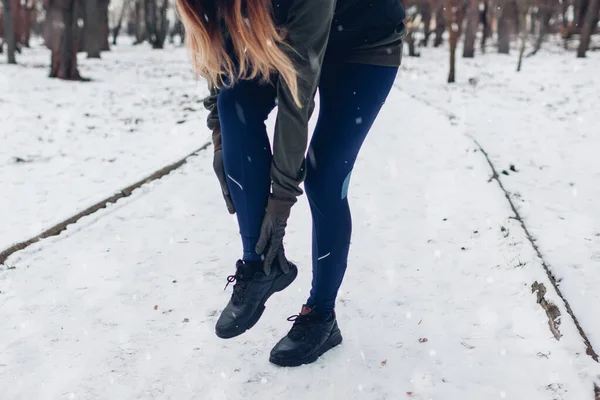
257	44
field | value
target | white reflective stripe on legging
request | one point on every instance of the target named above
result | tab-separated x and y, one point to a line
236	182
322	257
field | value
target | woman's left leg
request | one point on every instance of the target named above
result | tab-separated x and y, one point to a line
351	96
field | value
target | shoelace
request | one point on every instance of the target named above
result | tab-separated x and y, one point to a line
301	325
239	287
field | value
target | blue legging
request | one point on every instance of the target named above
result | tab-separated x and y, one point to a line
351	96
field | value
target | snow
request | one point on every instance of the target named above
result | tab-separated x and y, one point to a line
541	121
81	143
437	300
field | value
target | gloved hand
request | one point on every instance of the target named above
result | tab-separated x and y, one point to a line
272	232
220	172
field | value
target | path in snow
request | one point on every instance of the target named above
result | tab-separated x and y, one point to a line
543	122
429	260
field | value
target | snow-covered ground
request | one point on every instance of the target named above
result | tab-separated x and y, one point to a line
543	122
437	300
65	145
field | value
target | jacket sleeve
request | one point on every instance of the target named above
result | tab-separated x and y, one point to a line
307	26
212	121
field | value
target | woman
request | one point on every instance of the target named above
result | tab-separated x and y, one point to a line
257	54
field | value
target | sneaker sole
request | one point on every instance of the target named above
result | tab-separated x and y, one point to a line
334	340
280	284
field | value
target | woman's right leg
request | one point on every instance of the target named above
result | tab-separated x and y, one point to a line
243	109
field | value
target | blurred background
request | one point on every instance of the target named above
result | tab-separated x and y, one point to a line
92	26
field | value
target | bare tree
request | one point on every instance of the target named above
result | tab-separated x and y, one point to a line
440	24
523	12
92	35
545	11
119	24
486	23
580	8
411	21
454	16
426	8
591	21
410	40
506	25
471	30
141	33
566	28
29	15
9	32
178	30
63	38
104	30
157	23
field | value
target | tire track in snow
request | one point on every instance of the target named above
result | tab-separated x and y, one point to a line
589	348
61	226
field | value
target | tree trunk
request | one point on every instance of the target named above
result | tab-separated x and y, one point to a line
535	14
117	28
426	14
163	24
149	17
93	38
157	24
563	15
523	11
591	21
544	14
141	33
9	32
104	30
177	30
565	24
454	16
504	29
487	26
29	17
63	63
452	72
80	30
410	40
18	23
471	32
440	26
131	27
580	11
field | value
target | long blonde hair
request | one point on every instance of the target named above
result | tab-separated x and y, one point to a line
257	44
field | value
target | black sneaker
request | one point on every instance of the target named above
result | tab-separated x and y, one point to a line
310	337
251	290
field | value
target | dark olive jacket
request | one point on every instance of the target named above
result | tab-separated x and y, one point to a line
361	31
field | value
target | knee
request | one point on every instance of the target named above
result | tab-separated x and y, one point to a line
327	185
314	178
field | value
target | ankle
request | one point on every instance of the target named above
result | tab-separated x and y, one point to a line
323	313
250	256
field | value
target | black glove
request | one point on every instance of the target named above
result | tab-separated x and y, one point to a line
220	172
272	232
